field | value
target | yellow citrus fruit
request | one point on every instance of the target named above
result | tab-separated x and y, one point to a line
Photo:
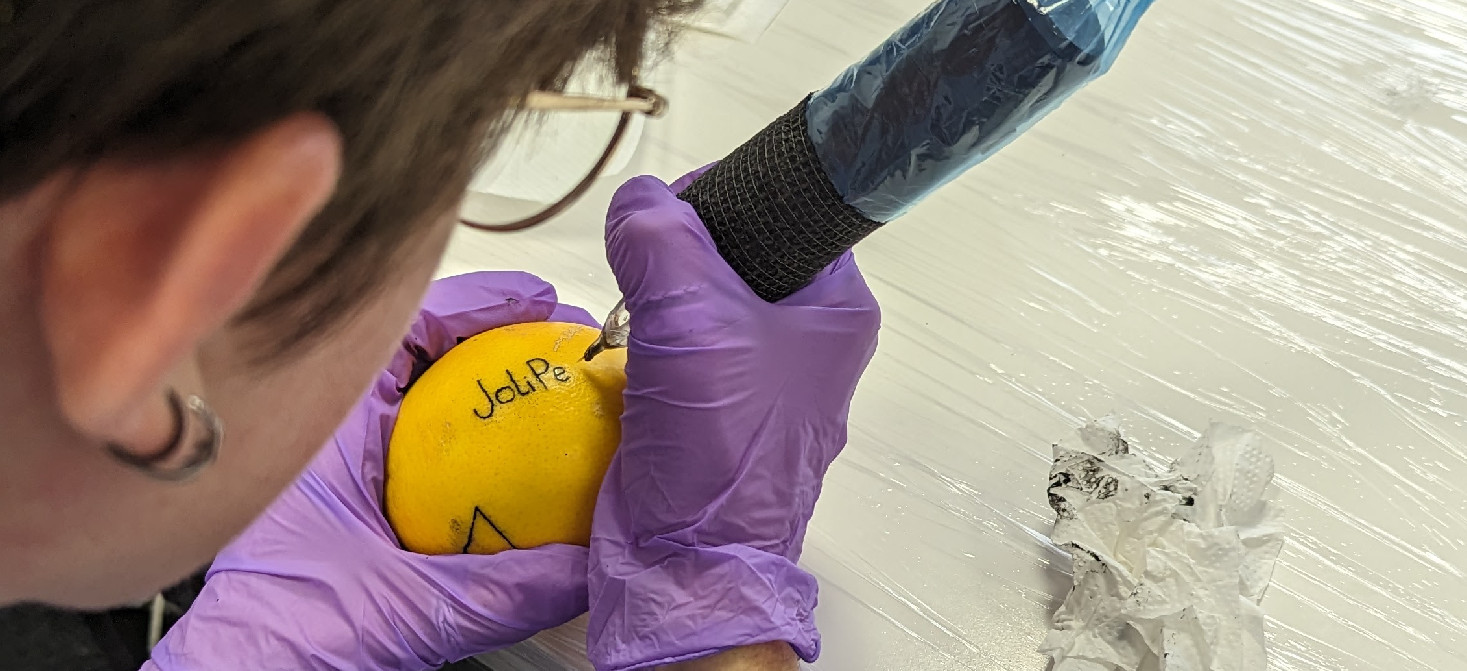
503	442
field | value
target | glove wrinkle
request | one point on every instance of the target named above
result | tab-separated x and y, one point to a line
319	580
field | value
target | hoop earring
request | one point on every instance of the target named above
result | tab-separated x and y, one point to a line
168	463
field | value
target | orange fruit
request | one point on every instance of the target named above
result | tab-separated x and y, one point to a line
504	441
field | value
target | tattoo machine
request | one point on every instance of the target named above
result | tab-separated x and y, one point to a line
945	92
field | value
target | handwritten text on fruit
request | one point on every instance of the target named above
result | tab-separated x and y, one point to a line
539	369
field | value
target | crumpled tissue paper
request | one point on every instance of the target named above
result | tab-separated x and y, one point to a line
1169	568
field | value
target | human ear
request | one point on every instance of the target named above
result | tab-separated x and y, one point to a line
149	256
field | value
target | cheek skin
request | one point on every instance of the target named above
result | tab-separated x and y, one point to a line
138	535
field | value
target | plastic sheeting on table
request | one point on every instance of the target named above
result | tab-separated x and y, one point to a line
1259	216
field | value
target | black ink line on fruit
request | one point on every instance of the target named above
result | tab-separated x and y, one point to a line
539	373
481	415
478	515
519	386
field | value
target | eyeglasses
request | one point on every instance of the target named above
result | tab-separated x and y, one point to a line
638	100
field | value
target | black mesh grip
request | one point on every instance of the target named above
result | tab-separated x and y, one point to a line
772	211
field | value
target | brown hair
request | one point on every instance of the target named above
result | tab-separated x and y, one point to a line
417	88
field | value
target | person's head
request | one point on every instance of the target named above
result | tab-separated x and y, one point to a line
241	200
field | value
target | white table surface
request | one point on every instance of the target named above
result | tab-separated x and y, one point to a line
1259	216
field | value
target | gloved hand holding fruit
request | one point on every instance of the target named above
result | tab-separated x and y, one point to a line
455	519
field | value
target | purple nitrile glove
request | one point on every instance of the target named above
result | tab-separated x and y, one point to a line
735	407
319	580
